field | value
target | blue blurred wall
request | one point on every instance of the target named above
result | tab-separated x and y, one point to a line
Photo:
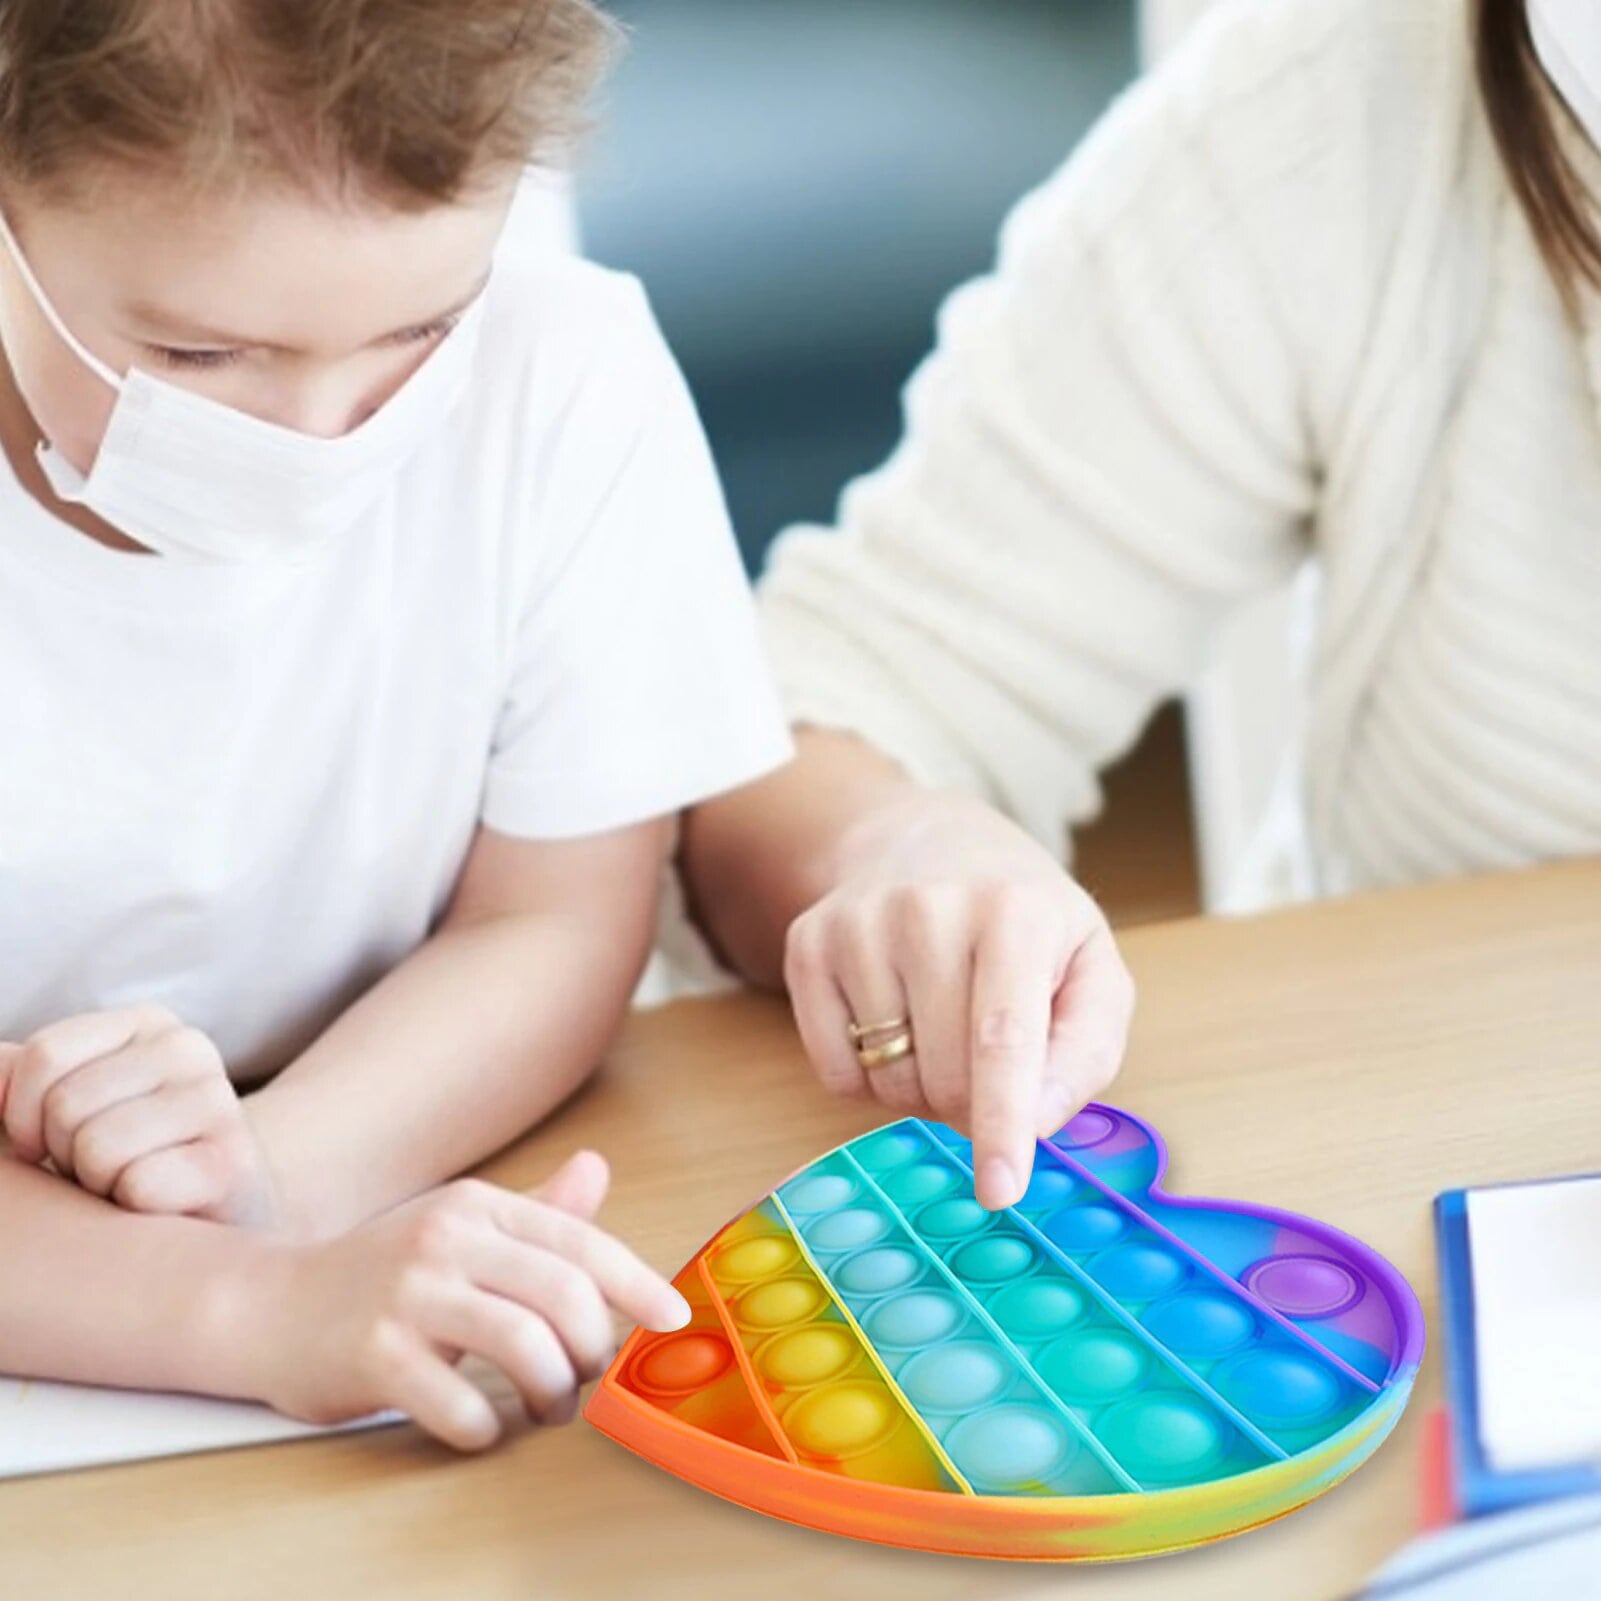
799	181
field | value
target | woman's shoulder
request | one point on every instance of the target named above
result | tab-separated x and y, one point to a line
1273	91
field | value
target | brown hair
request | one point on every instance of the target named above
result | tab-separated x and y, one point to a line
1522	114
411	101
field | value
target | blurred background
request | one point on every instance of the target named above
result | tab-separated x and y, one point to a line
799	183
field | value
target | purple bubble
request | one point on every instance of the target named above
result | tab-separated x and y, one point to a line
1303	1286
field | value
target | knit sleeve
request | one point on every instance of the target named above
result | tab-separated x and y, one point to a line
1110	445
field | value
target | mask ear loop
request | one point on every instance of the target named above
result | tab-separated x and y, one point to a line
51	315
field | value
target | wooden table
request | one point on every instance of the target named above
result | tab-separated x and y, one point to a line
1346	1060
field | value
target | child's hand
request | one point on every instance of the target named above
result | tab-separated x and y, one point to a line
378	1317
135	1107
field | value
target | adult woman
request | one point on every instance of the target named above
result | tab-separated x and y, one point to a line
1323	285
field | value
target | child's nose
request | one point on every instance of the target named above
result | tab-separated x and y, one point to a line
325	410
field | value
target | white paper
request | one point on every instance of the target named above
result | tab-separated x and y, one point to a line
47	1427
1540	1553
1536	1254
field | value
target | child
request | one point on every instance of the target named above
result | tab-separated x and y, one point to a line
367	611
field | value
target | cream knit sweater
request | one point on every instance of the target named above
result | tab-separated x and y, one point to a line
1281	303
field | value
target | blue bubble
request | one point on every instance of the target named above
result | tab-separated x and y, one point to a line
817	1192
1090	1227
1278	1386
919	1317
954	1377
843	1231
873	1272
1201	1327
1139	1272
1009	1445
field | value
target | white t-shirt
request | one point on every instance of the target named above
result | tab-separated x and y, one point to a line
247	790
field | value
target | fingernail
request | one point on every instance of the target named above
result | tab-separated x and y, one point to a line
997	1183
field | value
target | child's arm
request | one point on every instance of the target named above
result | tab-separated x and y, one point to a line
327	1330
490	1024
477	1035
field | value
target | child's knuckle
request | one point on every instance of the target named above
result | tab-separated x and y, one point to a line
61	1104
140	1189
383	1352
436	1236
192	1048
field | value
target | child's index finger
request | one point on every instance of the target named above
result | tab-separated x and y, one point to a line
628	1283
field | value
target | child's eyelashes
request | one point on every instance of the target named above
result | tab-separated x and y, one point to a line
172	356
427	330
209	360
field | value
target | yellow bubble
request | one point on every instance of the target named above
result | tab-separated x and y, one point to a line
808	1356
771	1306
841	1420
754	1259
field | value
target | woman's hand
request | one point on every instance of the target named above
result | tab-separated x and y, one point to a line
946	913
136	1108
379	1317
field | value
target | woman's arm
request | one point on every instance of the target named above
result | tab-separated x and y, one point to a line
476	1036
1115	440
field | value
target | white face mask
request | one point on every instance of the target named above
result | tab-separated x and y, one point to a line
190	477
1567	39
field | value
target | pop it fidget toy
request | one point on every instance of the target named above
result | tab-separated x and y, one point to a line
1102	1370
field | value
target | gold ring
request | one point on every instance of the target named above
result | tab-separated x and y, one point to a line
893	1049
864	1031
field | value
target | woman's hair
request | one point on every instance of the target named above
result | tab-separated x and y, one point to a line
1522	113
408	101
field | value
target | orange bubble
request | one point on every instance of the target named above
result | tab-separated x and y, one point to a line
682	1362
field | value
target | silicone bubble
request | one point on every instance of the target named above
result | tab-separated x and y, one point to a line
1105	1370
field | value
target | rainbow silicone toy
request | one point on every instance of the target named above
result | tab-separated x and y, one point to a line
1102	1371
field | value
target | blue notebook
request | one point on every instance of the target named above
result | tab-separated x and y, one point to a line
1523	1345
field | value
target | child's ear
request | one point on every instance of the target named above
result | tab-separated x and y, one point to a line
578	1186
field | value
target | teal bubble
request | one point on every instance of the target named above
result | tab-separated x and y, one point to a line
1201	1327
844	1231
954	1377
919	1317
1009	1445
1033	1308
1094	1367
993	1260
1278	1386
888	1148
817	1192
1163	1437
922	1181
1090	1227
874	1272
950	1220
1140	1272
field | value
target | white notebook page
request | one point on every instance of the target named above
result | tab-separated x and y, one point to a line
1536	1252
